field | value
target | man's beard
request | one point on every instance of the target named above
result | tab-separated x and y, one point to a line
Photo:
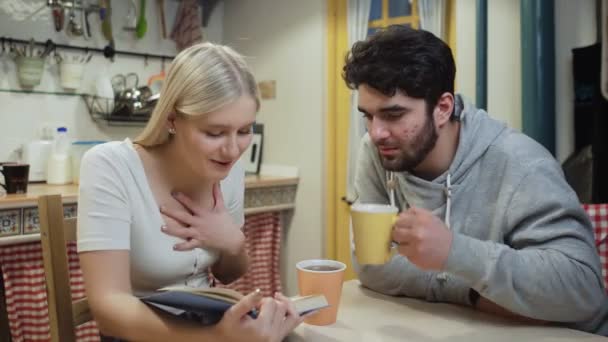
422	144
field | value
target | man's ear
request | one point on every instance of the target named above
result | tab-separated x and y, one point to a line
444	108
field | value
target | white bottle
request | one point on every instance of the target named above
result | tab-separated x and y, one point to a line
59	165
36	153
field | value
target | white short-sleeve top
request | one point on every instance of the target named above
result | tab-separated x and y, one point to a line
117	211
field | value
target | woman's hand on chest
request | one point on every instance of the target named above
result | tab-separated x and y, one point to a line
209	228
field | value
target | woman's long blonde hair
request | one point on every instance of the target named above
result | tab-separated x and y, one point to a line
202	78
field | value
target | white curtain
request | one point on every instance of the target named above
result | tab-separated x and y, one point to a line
432	16
358	17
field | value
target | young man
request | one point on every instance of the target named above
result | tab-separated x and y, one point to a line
487	218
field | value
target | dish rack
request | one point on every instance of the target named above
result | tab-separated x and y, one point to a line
103	109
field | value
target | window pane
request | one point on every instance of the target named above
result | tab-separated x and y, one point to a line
375	12
371	31
399	8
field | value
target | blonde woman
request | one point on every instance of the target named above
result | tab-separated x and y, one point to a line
163	209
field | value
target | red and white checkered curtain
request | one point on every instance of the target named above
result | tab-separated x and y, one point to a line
263	244
25	291
598	213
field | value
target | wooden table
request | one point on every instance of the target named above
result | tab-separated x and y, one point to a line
365	315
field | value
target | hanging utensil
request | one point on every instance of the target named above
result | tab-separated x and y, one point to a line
48	47
22	50
131	17
73	29
163	26
106	25
142	24
131	80
57	57
83	21
14	50
31	45
118	83
58	18
87	25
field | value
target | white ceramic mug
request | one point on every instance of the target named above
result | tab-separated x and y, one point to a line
71	74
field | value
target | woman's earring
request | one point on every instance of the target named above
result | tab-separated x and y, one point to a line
171	130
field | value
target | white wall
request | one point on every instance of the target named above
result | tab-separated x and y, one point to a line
285	41
504	61
577	28
465	48
21	115
504	57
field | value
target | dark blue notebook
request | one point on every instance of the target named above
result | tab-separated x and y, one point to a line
191	302
208	305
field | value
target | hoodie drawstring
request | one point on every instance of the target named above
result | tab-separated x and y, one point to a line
392	184
448	204
443	276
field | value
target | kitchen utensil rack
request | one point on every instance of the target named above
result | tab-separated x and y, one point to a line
102	109
108	51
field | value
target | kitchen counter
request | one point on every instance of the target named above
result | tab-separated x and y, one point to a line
19	212
70	191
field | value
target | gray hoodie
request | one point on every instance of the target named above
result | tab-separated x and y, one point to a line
521	238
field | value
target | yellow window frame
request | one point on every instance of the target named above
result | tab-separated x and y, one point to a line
413	20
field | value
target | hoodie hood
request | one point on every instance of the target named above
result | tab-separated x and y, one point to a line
477	133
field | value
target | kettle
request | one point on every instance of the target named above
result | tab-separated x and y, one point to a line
36	154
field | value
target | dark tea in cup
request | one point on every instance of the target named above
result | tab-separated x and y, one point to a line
321	268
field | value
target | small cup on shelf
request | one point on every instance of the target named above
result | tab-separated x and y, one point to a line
29	71
71	74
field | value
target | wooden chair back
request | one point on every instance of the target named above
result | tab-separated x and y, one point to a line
55	232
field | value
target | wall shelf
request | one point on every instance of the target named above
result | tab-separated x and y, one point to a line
41	92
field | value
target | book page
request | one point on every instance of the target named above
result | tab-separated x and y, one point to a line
228	295
306	304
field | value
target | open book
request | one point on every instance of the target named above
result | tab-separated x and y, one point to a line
215	301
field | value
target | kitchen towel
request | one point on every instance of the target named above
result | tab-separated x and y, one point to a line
187	29
263	245
25	292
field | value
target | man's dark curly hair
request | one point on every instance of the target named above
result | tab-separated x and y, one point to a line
401	58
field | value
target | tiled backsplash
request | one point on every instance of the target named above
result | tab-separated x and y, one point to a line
14	221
